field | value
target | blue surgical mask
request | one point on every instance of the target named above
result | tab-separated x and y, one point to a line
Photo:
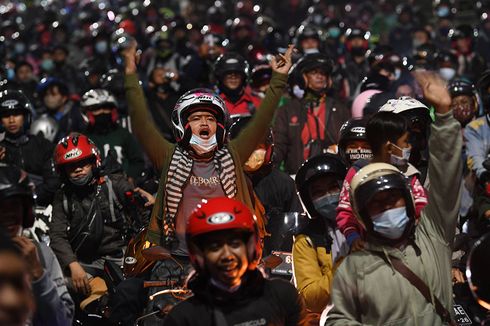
101	47
334	32
391	223
400	160
327	204
47	64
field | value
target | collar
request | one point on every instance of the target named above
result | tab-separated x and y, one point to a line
17	140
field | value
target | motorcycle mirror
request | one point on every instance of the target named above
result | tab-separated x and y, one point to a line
156	253
478	271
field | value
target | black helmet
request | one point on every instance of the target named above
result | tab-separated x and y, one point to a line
14	182
12	101
445	56
370	180
261	75
483	86
315	61
113	81
425	56
353	129
379	53
306	31
461	86
462	31
323	164
230	62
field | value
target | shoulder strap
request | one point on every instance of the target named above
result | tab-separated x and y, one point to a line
112	198
418	283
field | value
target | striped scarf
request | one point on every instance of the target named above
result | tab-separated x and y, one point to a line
179	172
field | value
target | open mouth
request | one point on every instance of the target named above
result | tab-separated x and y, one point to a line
204	133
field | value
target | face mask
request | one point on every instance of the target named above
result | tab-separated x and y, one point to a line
358	51
391	223
417	43
398	74
310	51
355	154
82	181
256	160
447	73
101	47
103	120
203	146
334	32
47	64
20	48
53	102
298	92
403	160
463	113
10	73
326	205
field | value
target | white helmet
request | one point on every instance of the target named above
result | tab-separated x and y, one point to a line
402	104
45	125
206	100
96	98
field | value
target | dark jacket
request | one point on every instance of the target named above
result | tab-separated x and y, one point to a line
289	123
128	151
34	154
258	301
71	206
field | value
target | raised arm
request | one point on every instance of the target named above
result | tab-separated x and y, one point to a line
154	144
253	133
445	164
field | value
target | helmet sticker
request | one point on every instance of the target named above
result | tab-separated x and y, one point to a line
10	103
220	218
74	153
359	129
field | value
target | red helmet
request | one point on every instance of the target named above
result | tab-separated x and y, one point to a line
218	214
75	148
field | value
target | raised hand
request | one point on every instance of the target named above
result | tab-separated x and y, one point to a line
283	62
434	89
131	57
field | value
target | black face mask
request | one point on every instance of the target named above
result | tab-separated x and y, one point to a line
103	122
358	51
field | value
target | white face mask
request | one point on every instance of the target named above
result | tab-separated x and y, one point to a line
447	73
400	160
203	146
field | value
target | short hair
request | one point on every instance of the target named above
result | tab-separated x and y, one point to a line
21	64
383	127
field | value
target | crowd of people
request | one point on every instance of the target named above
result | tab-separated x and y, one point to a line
265	162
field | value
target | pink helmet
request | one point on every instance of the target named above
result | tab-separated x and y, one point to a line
360	102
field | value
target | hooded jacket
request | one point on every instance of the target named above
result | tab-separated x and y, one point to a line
366	287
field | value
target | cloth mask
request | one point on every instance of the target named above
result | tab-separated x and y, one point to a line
391	223
400	160
447	73
256	160
355	154
326	205
311	51
463	113
203	146
83	180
